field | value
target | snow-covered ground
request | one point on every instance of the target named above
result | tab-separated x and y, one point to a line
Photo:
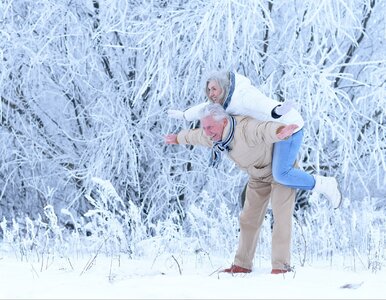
174	277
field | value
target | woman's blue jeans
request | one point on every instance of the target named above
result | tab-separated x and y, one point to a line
284	157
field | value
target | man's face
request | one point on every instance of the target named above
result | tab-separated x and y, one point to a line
215	92
212	128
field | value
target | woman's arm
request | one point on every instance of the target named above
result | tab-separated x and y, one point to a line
190	114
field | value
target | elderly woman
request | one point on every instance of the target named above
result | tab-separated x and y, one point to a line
239	97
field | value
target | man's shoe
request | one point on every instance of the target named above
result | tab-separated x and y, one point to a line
278	271
237	269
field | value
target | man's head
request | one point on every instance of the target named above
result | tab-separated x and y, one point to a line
213	120
217	86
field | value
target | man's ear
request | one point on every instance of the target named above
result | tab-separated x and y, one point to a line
225	120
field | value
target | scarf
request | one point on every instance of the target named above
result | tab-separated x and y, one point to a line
220	146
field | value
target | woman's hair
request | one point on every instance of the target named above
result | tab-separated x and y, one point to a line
222	79
215	110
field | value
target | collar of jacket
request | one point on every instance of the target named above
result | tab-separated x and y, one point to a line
231	90
227	128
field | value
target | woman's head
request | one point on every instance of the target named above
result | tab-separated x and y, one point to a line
217	86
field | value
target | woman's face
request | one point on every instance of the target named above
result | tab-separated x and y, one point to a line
215	92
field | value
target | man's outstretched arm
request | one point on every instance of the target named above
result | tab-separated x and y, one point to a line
188	137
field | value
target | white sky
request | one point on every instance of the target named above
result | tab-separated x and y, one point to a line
159	278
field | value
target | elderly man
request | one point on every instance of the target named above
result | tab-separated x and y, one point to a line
249	144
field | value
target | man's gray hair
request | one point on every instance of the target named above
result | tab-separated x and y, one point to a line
215	110
222	79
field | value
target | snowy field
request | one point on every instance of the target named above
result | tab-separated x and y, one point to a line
173	277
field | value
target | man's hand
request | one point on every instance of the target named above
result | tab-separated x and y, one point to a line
286	131
285	107
176	114
171	139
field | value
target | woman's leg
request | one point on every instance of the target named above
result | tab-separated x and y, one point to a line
284	157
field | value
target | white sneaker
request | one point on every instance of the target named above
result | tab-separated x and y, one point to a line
328	186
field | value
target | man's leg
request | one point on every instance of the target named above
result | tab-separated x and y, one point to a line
283	203
251	219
